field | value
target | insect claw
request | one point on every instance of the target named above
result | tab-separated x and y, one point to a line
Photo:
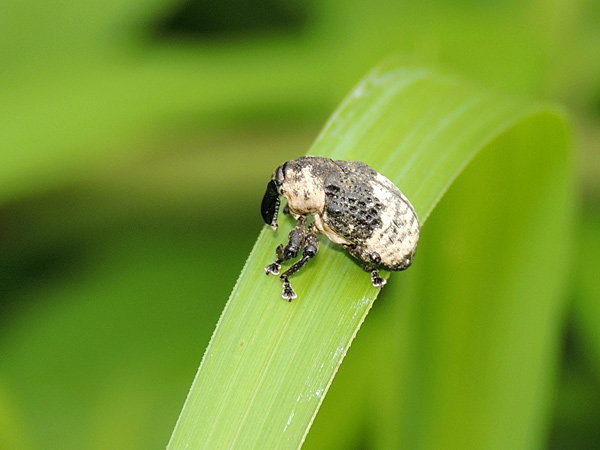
273	268
377	280
288	292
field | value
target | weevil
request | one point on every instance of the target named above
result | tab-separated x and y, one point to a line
352	204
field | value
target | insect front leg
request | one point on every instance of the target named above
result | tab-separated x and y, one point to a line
311	247
291	250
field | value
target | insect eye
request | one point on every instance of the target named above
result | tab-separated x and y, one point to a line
279	176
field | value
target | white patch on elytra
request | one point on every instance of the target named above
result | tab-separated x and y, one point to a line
395	240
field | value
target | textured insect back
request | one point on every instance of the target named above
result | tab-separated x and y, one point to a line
352	204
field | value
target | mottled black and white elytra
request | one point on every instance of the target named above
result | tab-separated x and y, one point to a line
352	204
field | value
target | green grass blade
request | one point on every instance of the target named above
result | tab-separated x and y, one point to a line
270	362
461	351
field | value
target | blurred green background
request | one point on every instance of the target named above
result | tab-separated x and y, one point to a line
136	139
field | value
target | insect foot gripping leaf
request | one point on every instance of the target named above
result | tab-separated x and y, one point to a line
352	204
269	364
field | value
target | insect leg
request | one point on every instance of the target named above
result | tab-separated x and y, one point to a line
376	279
291	250
311	246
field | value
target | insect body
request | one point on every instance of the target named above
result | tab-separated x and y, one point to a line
352	204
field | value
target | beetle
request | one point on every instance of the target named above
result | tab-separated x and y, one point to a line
352	204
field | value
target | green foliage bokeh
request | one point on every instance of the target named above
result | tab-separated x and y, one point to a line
134	150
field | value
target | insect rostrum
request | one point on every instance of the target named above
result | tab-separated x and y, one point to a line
352	204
